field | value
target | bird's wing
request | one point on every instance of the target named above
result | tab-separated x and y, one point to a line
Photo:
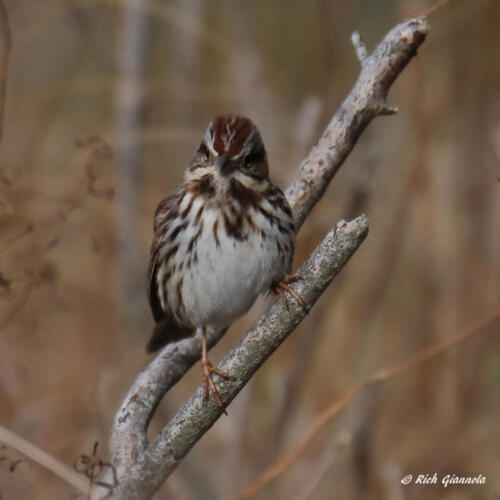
164	215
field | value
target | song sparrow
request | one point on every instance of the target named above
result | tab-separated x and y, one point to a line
222	238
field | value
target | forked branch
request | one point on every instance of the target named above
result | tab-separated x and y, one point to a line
141	466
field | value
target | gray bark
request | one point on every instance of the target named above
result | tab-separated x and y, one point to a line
130	55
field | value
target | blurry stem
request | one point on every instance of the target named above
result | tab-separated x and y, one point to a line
333	450
44	459
130	51
4	65
177	18
291	389
32	229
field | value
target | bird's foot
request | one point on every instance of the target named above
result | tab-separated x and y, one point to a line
284	286
209	385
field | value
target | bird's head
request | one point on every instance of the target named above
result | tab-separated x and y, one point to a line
232	148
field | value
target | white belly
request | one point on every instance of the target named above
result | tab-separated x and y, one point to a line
229	277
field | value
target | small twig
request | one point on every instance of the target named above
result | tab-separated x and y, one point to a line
12	464
43	458
100	150
359	47
92	467
381	107
367	100
343	401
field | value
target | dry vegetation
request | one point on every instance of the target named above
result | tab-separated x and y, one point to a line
73	312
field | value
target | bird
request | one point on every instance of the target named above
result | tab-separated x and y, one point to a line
225	236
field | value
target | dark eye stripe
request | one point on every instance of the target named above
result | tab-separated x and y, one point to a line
254	157
203	150
255	175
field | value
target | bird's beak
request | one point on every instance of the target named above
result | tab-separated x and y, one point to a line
223	163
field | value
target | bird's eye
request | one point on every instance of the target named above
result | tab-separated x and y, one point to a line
203	151
254	157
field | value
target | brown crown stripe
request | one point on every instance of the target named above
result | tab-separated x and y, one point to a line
231	127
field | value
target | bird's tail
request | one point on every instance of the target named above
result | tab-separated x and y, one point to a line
165	332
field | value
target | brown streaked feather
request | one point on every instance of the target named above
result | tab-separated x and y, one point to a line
234	229
203	186
215	230
166	210
188	207
194	239
177	230
246	197
251	224
154	300
166	329
241	195
180	302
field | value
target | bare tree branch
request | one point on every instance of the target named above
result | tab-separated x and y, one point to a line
44	459
367	100
142	467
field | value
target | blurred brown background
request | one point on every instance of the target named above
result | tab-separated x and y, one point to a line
88	77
